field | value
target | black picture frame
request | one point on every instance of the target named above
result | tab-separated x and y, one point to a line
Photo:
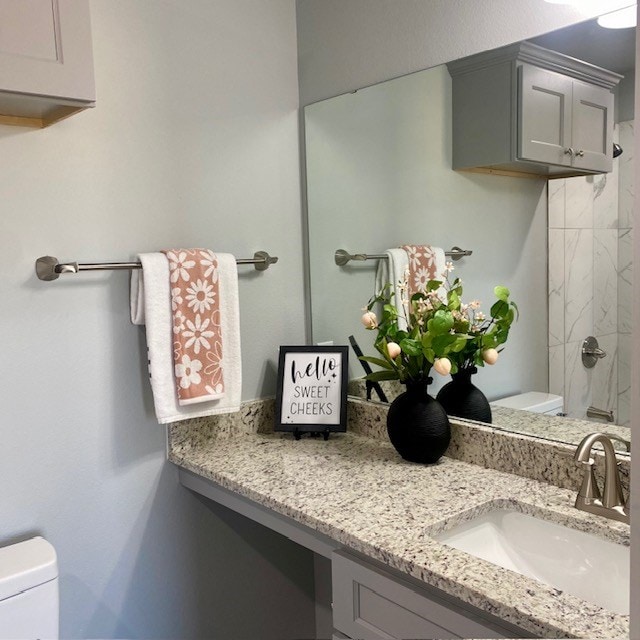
311	395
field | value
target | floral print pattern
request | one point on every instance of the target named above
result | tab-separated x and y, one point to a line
187	372
197	342
200	296
422	267
179	265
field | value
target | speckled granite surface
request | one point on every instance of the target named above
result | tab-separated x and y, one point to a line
491	447
359	492
569	430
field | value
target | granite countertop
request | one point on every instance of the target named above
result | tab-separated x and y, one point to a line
360	493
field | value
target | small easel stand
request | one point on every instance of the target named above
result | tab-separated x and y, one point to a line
297	434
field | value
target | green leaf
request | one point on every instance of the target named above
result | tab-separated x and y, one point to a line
441	343
378	376
442	322
500	309
429	354
377	361
488	340
432	285
502	293
411	347
459	344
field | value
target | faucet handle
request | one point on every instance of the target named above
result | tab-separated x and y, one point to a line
589	490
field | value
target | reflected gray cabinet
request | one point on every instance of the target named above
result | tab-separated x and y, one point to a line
523	109
46	60
371	603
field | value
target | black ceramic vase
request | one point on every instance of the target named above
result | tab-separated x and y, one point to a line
417	425
461	398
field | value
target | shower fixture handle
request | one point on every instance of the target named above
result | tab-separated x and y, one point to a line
591	352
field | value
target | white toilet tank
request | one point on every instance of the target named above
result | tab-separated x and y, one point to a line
29	591
534	401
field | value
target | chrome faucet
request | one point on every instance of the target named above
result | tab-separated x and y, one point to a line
610	503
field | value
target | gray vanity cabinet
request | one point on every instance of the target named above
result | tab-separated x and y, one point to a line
370	603
525	110
46	60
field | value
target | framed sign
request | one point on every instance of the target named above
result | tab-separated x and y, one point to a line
312	390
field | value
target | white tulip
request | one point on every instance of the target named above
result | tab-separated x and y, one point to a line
490	356
442	366
369	320
393	349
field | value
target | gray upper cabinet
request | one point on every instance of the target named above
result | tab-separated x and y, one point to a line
46	60
523	109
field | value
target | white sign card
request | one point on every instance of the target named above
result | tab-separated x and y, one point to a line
312	389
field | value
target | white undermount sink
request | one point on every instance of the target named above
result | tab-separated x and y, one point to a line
579	563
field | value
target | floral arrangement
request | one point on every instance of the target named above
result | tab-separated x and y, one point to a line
441	331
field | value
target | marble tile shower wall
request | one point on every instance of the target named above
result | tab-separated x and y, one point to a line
589	284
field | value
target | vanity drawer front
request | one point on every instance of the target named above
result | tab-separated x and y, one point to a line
372	604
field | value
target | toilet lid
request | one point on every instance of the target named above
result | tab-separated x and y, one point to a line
26	565
535	401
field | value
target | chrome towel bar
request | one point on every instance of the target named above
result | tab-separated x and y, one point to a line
343	257
49	268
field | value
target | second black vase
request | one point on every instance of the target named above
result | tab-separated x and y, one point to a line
461	398
418	426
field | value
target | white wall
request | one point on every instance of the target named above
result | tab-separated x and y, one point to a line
193	142
590	285
350	44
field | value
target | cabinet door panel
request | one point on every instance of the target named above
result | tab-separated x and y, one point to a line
28	28
371	604
544	112
45	48
592	127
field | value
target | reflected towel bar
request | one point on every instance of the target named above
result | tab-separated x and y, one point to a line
48	267
342	257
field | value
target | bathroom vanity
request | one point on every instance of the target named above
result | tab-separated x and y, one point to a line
374	517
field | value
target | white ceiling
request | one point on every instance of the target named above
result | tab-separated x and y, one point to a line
613	49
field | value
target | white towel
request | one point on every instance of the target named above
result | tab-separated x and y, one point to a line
151	305
393	271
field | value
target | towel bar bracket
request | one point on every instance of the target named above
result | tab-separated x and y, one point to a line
49	268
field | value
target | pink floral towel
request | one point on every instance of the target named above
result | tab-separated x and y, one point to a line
425	263
197	344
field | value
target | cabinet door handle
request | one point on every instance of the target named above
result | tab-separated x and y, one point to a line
569	151
580	153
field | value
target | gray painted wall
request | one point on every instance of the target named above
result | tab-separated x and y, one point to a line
194	142
378	176
350	44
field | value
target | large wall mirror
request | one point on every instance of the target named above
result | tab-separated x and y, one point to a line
379	176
